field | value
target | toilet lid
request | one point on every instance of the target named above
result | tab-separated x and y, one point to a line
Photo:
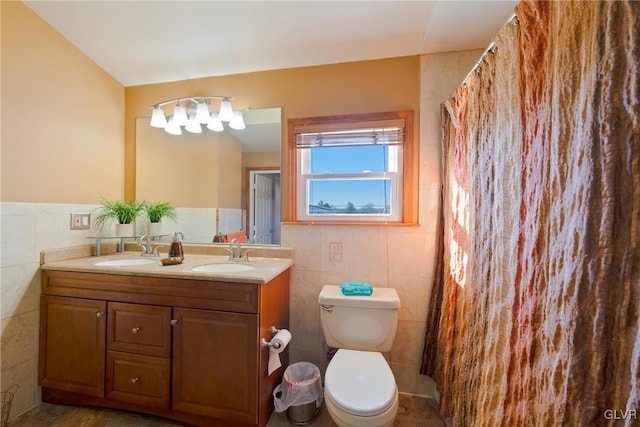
360	382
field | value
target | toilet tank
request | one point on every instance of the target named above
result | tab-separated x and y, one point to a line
365	323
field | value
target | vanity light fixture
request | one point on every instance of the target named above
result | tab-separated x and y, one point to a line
193	112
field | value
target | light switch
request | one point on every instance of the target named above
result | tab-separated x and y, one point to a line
335	251
80	221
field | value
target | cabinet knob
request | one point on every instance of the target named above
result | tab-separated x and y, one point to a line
135	380
99	314
173	322
135	330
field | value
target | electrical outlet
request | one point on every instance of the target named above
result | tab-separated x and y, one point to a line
80	221
335	251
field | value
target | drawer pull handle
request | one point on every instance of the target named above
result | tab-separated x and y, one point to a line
99	314
135	380
173	322
135	330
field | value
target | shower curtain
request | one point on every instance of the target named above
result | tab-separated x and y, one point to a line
535	315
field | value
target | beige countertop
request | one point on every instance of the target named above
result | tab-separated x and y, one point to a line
263	269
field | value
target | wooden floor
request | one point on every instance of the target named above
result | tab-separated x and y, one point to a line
412	412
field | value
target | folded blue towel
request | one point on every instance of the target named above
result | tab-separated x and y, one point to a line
356	288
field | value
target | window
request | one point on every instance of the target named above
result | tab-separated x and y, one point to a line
353	168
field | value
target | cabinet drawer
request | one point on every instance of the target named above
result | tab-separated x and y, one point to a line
141	329
133	378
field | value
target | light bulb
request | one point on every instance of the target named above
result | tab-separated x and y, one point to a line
173	127
226	112
238	121
202	113
180	115
215	124
192	125
158	120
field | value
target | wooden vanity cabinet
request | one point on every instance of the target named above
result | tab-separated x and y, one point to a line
188	350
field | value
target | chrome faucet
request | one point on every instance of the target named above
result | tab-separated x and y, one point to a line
235	251
148	248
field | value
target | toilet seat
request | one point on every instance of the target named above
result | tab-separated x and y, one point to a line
360	382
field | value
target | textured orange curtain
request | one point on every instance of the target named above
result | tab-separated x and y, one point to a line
539	273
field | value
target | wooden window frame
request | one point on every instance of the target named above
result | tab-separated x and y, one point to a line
410	164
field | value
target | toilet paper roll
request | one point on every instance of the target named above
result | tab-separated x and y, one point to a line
278	343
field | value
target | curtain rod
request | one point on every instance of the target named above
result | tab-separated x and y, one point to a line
489	48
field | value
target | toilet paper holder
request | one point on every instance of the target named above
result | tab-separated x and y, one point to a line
266	343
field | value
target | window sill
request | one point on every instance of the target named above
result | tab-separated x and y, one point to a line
354	223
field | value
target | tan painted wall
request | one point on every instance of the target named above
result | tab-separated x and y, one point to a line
229	177
269	159
62	117
355	87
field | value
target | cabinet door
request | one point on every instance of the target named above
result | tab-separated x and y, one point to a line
72	344
215	364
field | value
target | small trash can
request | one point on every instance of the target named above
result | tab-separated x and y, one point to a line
7	398
301	415
299	393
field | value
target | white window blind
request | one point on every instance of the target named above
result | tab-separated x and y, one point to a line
391	133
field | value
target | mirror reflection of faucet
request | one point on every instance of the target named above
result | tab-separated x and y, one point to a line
235	251
255	239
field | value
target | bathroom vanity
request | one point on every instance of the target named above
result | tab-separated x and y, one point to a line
167	341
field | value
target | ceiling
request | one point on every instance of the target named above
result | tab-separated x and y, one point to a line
145	41
142	42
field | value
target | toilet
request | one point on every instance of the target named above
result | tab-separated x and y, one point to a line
359	387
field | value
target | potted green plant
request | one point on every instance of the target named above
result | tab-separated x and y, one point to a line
122	213
155	212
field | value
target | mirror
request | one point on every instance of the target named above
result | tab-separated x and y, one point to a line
219	182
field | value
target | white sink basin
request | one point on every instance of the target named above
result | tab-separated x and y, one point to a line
222	268
126	262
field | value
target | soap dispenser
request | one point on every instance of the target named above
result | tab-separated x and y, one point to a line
176	253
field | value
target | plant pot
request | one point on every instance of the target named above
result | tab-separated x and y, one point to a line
125	230
154	228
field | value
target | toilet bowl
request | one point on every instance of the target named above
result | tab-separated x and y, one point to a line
360	389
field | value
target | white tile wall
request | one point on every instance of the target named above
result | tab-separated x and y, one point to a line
198	224
26	229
